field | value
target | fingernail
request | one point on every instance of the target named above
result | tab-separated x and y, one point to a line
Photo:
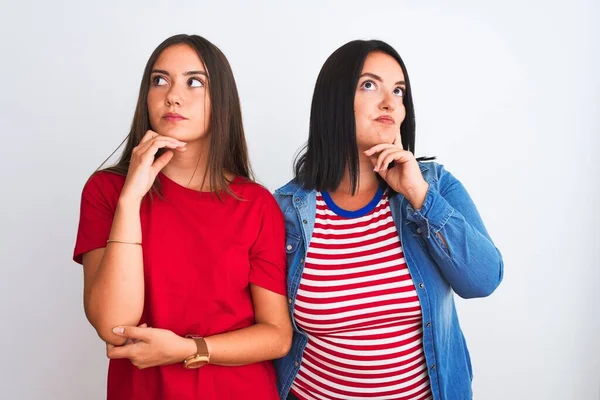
118	330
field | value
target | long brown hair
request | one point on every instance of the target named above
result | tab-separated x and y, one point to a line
228	150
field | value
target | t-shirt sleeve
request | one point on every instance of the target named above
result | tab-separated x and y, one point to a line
267	254
95	217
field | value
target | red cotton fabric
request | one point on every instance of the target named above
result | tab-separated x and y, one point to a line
200	257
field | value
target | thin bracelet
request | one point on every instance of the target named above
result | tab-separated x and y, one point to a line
123	241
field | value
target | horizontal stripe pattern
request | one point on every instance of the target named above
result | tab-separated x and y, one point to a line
359	307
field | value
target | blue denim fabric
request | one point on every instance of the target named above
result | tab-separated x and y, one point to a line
447	250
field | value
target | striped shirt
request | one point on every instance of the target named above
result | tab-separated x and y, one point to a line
358	305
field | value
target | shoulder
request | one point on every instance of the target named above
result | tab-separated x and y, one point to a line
439	177
434	172
249	190
104	183
285	193
289	189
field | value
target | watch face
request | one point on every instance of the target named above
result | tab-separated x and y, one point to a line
196	361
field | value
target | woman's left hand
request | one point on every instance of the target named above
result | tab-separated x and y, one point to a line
405	176
150	347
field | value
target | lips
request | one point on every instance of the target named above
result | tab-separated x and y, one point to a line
384	119
173	117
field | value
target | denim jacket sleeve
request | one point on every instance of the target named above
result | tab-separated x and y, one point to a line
456	237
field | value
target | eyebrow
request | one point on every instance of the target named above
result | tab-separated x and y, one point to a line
187	73
378	78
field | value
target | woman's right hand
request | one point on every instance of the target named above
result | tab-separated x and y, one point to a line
143	168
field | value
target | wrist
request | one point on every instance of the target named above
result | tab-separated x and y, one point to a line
416	197
200	357
186	348
129	203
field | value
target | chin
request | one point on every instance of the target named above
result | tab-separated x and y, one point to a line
385	137
182	134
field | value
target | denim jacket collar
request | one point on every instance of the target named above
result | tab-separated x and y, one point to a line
294	188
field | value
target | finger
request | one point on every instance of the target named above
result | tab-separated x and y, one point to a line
380	147
386	157
379	165
118	352
398	140
142	148
150	134
160	141
161	162
133	332
405	156
373	161
148	155
400	157
389	158
143	145
144	325
109	347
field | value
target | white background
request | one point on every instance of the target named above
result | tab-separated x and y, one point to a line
506	95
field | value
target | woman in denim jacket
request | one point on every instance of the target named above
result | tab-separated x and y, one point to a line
378	242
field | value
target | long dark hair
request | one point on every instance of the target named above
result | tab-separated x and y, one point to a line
228	150
332	146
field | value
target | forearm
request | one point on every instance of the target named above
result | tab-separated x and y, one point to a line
469	260
256	343
116	295
464	252
259	342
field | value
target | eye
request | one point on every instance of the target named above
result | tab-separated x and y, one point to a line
399	91
159	81
368	85
195	82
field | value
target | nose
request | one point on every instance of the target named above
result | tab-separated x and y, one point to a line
173	97
387	102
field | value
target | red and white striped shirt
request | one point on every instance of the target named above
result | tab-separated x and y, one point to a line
359	307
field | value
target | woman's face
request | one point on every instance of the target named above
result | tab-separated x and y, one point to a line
378	101
178	98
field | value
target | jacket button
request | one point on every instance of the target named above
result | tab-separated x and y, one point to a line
290	300
289	247
428	324
304	221
421	285
419	231
302	261
297	199
296	364
433	366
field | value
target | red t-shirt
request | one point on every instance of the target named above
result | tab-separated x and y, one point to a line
200	256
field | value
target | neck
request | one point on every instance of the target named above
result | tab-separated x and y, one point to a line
188	168
367	179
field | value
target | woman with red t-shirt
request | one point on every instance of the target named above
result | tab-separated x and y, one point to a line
183	254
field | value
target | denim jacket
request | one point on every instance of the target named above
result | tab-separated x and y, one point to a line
447	250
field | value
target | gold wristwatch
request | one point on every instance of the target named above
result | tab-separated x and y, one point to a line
202	356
